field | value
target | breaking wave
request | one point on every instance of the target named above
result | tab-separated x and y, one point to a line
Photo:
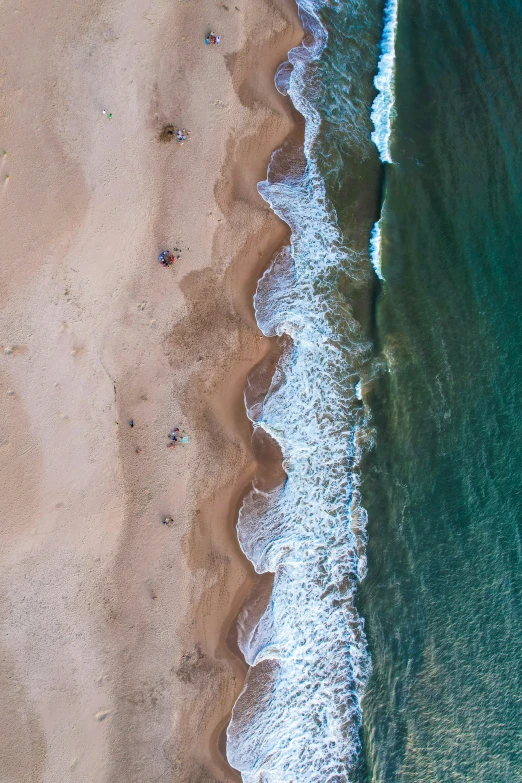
375	249
383	109
299	715
383	105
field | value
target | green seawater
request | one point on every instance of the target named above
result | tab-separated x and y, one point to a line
442	599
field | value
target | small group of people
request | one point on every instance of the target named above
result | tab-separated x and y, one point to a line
177	437
182	135
212	39
166	258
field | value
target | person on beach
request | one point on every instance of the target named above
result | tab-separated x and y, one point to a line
177	437
212	39
166	258
182	135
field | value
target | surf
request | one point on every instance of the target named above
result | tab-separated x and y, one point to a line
384	104
299	715
382	114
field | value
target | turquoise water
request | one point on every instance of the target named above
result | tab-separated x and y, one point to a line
442	597
391	648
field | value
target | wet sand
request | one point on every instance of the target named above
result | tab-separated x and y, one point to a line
114	660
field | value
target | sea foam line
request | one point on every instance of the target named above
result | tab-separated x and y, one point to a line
376	248
383	105
298	717
383	110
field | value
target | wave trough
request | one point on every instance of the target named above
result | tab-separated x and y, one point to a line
299	715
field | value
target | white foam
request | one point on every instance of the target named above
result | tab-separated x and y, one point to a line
384	103
298	718
376	249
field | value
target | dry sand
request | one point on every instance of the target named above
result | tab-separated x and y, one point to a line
114	663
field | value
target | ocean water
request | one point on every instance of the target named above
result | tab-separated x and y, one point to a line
389	649
442	597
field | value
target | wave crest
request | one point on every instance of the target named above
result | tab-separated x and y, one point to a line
384	103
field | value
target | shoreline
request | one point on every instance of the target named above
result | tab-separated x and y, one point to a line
248	161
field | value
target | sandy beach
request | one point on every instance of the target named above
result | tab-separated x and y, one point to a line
117	652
